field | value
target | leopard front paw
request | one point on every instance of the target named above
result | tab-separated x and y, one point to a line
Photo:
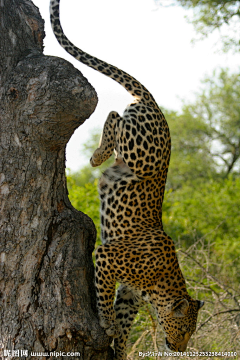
110	327
96	159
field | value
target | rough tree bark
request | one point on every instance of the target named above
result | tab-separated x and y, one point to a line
47	295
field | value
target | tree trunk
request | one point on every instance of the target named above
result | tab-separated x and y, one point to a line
47	294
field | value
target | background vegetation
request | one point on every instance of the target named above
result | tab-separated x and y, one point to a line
211	15
201	209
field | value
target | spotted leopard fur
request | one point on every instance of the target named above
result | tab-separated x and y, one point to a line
136	251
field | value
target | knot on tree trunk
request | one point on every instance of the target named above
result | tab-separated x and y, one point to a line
53	95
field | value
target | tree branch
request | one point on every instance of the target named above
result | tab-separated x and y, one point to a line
216	314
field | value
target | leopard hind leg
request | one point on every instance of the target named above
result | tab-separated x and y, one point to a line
127	304
105	286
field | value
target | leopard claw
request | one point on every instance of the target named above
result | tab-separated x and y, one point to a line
112	331
110	328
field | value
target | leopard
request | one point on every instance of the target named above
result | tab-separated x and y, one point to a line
135	252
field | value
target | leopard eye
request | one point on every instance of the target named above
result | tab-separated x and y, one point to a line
180	337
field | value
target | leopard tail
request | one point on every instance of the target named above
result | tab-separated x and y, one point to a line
133	86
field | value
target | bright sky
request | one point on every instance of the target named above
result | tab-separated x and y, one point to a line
151	43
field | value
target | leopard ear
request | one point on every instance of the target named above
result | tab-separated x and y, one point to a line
179	308
200	304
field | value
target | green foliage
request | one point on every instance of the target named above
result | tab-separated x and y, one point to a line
206	136
219	107
208	210
190	157
84	176
213	13
85	198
